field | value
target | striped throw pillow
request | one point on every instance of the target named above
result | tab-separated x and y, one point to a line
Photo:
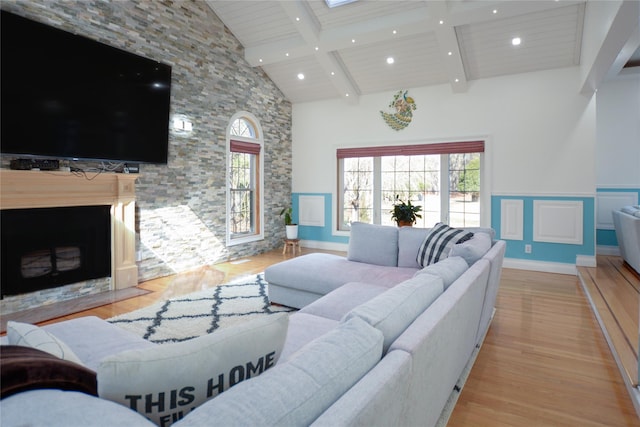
438	243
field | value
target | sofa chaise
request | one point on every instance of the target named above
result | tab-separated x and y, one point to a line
371	344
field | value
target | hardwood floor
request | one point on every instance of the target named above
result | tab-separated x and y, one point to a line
544	362
614	288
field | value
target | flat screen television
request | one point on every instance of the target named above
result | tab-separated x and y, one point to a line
66	96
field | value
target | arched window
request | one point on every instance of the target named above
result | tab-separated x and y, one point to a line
244	179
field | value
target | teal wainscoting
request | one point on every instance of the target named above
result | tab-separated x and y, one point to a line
544	251
317	233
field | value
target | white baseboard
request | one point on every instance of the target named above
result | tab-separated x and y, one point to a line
608	250
327	246
586	261
544	266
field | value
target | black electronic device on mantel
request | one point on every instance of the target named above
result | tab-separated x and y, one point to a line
67	96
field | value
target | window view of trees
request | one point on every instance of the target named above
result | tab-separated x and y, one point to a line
242	193
447	186
464	175
358	190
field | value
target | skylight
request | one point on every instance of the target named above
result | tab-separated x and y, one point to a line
336	3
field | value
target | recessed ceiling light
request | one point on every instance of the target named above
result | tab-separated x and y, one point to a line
516	41
317	48
260	60
286	54
298	18
449	53
346	94
333	73
353	40
457	80
300	76
495	11
441	22
395	32
390	60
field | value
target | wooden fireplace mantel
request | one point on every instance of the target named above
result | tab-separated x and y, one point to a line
46	189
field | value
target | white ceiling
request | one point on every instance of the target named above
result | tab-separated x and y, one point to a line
343	50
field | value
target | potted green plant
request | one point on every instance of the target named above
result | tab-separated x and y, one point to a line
405	214
291	229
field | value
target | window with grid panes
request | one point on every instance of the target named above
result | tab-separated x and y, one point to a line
442	178
244	215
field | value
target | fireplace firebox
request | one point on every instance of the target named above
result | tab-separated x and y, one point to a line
45	248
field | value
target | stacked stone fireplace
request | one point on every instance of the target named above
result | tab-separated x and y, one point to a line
64	236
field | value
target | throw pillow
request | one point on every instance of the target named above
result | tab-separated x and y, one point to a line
373	244
438	243
473	249
394	310
27	368
448	269
299	390
28	335
165	382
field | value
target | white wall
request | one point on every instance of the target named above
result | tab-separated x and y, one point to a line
618	133
540	131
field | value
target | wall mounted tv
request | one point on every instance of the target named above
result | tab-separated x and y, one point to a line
69	97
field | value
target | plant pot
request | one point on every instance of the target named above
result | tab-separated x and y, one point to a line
405	223
292	231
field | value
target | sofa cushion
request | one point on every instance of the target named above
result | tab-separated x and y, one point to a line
92	339
57	408
409	241
321	273
296	392
394	310
472	249
373	244
336	304
164	380
438	243
304	328
27	335
377	399
449	269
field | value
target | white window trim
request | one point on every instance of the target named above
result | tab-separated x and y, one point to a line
485	176
258	140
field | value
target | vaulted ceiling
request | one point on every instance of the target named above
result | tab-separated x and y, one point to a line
343	51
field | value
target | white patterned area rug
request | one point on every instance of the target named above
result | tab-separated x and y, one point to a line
200	313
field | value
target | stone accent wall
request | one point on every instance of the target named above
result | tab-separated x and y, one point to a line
181	206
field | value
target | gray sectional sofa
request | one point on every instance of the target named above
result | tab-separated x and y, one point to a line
626	221
378	340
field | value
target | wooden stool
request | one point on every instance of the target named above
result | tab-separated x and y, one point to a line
294	243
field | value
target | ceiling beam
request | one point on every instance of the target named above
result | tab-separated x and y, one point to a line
367	32
449	48
620	32
309	29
